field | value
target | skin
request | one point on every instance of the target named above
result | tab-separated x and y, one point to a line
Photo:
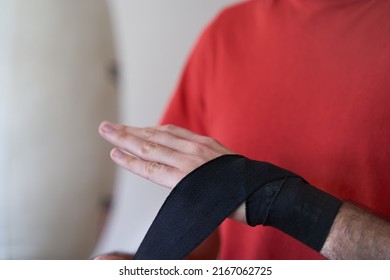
166	154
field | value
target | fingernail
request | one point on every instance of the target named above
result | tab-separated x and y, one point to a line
117	154
107	128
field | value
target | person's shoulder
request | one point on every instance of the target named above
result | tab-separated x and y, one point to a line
236	13
232	18
238	9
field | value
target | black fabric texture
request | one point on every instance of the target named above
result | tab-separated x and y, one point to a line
205	197
296	208
201	201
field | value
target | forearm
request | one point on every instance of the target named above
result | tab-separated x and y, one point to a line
357	234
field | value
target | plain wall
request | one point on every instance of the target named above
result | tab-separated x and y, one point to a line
153	39
55	88
6	31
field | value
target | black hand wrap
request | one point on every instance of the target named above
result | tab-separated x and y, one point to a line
209	194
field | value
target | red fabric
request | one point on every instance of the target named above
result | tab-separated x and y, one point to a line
301	84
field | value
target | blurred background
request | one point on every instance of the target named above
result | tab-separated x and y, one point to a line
65	66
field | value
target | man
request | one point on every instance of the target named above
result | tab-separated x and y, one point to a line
303	85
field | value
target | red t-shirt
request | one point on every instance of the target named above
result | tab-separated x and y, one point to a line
304	85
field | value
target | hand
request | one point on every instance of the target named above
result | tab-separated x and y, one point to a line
163	154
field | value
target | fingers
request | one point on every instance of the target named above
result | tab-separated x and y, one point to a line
179	132
159	136
158	173
164	154
193	137
144	143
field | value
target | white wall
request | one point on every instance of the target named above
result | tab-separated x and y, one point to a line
54	91
6	31
153	39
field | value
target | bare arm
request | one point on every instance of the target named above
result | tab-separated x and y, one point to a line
357	234
166	154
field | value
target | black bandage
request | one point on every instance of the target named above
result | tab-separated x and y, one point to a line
296	208
209	194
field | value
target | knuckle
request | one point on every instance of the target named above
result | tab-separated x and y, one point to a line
208	141
149	147
197	148
122	135
168	127
129	163
151	168
149	132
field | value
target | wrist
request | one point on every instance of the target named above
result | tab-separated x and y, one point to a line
239	214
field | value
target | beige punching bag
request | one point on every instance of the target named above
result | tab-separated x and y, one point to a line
56	85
